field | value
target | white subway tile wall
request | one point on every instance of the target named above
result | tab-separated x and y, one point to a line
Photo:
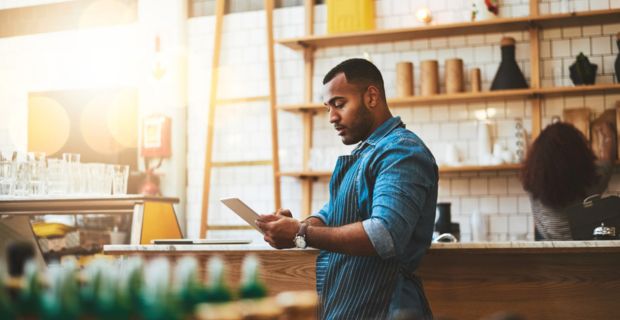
498	196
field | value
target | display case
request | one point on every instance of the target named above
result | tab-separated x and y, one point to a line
87	223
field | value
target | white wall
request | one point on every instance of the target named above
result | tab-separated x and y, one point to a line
122	56
108	57
498	195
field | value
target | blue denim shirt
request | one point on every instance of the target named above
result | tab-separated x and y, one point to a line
396	183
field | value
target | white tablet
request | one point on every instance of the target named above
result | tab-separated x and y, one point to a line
241	209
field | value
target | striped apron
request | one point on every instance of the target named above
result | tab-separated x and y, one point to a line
352	287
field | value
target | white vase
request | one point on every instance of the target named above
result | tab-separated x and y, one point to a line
479	11
478	226
484	143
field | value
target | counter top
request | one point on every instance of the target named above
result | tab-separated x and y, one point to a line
533	246
72	204
538	280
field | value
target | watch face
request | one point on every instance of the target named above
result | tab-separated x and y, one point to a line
300	242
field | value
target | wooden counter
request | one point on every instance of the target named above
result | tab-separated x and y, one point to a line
539	280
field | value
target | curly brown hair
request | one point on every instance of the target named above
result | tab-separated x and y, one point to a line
559	167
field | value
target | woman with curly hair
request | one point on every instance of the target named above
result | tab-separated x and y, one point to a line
560	171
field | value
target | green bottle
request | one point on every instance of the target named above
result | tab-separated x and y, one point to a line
6	309
108	295
218	296
251	285
188	288
29	298
130	285
217	290
60	301
91	276
159	302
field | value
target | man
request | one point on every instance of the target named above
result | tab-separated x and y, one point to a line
379	220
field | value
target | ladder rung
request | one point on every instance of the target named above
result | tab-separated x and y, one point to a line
241	163
225	227
241	100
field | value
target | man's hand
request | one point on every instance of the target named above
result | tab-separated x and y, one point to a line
284	212
279	228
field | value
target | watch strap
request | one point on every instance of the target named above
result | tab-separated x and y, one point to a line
303	227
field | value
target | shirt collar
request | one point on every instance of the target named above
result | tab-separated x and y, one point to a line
380	132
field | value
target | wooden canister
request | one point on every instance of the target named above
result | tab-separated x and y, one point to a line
404	79
454	75
474	79
429	77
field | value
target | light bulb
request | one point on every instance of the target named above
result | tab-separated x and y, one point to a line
424	15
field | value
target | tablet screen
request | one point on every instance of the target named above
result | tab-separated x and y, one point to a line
242	210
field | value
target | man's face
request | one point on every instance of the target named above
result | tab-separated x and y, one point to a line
347	110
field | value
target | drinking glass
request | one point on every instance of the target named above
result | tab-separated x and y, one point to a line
95	177
7	178
38	179
120	175
57	179
23	173
74	174
7	155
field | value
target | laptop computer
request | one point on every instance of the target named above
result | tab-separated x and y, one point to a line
201	241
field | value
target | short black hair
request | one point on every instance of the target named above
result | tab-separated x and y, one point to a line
359	72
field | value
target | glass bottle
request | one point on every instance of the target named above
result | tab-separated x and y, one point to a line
508	75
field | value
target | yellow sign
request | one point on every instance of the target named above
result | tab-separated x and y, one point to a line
350	15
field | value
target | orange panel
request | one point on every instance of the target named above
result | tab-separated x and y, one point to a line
160	222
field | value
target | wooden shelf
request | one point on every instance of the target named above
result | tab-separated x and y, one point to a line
468	97
306	174
499	167
532	24
400	34
454	29
583	18
579	90
461	97
442	169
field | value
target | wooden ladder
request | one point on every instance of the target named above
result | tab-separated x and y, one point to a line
214	102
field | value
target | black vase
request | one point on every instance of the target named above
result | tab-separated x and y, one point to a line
617	65
508	75
443	223
582	71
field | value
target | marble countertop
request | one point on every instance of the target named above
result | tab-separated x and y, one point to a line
261	246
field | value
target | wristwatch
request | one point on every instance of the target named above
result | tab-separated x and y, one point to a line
300	238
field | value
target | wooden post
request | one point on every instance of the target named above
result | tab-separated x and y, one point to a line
219	17
273	113
535	71
308	117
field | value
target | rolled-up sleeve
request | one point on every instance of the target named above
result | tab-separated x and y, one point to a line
322	214
405	172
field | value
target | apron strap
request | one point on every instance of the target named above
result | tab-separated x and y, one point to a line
411	276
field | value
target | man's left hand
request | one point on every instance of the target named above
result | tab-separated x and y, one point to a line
279	230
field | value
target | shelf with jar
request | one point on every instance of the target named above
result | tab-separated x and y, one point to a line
466	97
531	90
454	29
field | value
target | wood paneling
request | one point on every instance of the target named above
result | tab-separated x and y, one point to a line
538	283
547	285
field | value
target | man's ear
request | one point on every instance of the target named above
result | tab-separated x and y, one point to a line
372	94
